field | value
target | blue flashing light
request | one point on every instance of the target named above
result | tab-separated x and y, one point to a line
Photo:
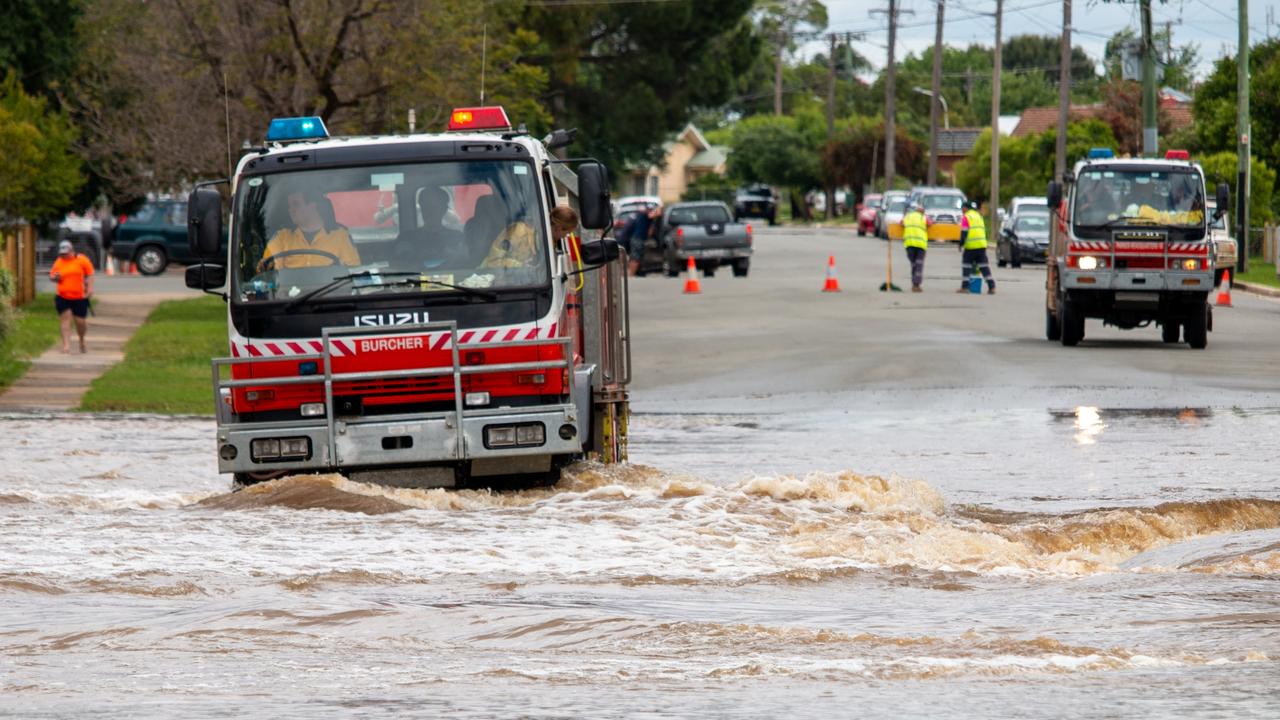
1101	152
299	128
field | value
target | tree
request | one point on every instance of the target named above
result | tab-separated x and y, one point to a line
1179	64
855	157
38	40
1221	168
1026	163
39	173
779	21
1214	106
779	150
1122	110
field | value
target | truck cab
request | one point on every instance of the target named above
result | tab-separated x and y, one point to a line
1130	245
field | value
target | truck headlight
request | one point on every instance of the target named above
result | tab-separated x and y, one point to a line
1088	262
1190	264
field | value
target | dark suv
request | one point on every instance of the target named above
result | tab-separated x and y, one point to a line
155	236
756	201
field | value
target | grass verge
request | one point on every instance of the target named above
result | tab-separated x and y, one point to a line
166	363
35	331
1260	273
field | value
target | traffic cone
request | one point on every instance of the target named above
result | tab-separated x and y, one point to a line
1224	290
691	285
832	285
111	266
133	268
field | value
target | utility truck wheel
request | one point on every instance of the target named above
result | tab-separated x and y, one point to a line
1169	331
1072	323
1197	332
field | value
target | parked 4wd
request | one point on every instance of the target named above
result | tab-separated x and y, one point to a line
154	236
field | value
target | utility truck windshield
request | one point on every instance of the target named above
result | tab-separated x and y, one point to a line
374	230
1106	197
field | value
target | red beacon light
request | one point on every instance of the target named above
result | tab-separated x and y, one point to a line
1177	155
479	118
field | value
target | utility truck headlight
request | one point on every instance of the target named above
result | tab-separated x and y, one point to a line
1088	262
1190	264
311	409
475	399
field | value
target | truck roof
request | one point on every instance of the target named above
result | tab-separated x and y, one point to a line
371	141
1145	163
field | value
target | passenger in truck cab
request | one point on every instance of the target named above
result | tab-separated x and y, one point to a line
315	238
433	245
515	247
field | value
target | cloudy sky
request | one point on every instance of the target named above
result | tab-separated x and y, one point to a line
1211	24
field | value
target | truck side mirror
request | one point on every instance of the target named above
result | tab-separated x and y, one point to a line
1222	193
206	277
204	221
593	196
600	252
1055	195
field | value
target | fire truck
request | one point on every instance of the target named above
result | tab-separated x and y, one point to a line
400	309
1131	247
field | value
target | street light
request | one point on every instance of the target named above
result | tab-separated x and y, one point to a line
946	114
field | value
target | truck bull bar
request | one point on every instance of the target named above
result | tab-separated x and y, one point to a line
226	417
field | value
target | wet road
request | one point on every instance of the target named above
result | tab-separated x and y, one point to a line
904	505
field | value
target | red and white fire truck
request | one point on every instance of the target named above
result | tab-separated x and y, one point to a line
400	311
1131	246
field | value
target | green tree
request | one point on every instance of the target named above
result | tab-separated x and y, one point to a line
855	157
1221	168
1026	163
38	40
779	23
1214	106
39	173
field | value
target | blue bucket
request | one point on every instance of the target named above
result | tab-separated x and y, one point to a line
975	284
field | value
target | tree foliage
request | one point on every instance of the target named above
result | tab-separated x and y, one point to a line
778	150
39	173
1221	168
855	158
1122	110
38	40
1026	163
1214	106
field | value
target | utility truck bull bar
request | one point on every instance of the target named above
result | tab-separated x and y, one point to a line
327	442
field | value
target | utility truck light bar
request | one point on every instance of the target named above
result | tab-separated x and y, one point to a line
298	128
1101	152
479	118
1177	155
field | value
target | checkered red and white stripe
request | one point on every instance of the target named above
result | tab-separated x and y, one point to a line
346	347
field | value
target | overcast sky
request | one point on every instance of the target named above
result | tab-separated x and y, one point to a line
1211	24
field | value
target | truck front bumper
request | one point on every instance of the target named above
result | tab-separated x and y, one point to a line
1137	280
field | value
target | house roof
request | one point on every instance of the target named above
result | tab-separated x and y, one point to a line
1038	119
957	141
1179	116
709	159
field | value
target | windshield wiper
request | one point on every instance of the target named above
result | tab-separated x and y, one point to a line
341	280
474	292
1108	224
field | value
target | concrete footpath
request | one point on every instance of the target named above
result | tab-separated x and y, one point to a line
57	381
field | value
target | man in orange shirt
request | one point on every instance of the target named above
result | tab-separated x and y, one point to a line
74	275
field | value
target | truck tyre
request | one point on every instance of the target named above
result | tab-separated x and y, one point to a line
1052	330
1072	323
1197	329
1170	330
151	260
741	267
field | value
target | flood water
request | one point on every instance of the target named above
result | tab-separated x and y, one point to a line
1076	561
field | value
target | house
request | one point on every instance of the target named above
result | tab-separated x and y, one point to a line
1036	120
954	145
685	159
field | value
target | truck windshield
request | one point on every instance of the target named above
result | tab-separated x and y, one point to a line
390	229
1163	197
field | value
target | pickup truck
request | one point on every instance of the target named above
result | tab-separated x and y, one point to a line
706	232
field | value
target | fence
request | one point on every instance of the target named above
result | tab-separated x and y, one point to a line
18	258
1270	243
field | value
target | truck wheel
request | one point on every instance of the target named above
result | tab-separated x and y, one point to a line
1052	330
1170	330
1197	328
1072	323
741	267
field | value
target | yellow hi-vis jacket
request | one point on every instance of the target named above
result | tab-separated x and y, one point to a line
915	232
977	237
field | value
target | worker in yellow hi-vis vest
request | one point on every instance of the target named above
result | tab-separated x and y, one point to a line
915	238
973	246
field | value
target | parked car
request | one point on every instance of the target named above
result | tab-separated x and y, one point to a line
894	206
629	207
944	209
1225	249
757	201
1024	238
1028	201
154	236
704	231
867	214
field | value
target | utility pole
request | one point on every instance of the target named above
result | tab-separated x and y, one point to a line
1242	124
1149	139
890	96
994	207
1064	93
831	116
933	99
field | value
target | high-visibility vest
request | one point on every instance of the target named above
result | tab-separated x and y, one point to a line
915	233
977	237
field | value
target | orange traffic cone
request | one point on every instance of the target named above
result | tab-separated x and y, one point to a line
1224	290
111	266
691	285
133	268
833	285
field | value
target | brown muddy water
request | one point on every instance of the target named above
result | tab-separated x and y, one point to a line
1078	562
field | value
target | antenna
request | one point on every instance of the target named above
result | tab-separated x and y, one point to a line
226	108
484	58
